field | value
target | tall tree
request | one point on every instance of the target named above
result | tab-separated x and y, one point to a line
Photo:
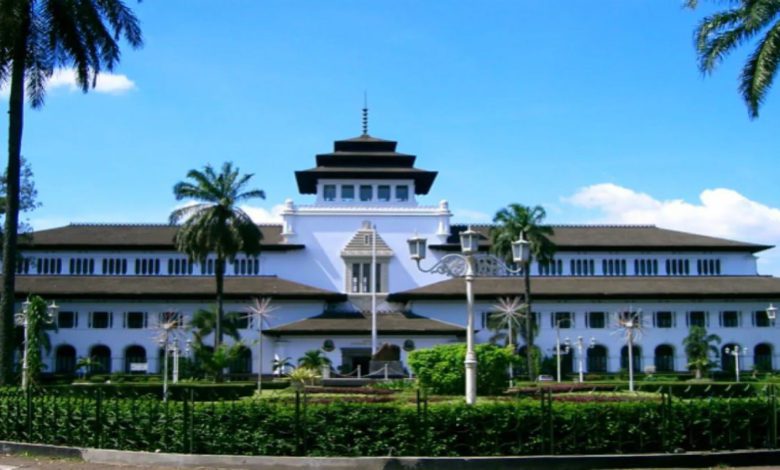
36	36
512	222
719	34
214	223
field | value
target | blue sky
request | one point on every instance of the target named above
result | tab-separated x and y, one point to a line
595	110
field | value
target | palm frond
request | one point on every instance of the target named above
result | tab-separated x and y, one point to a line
760	70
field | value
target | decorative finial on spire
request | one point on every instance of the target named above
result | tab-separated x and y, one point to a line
365	113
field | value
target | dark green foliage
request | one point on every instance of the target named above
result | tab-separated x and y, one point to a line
440	368
96	418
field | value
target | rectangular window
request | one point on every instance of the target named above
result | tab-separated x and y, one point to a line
402	193
761	320
697	318
348	192
329	192
100	320
597	320
366	192
664	319
135	320
729	319
383	192
360	280
562	319
67	320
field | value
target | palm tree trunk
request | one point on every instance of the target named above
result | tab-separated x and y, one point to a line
529	333
15	125
219	271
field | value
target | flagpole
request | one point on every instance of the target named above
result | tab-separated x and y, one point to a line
374	338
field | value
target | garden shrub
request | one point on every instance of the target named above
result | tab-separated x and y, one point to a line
440	368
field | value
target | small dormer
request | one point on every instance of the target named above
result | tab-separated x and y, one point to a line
365	170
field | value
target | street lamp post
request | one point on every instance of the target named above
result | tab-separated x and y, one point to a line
580	356
558	353
735	352
23	319
771	312
469	265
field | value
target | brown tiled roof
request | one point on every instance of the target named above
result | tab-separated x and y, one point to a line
359	323
127	236
660	287
617	238
167	287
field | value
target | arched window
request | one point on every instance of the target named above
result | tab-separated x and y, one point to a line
242	364
135	355
762	357
637	357
65	359
102	356
664	358
597	359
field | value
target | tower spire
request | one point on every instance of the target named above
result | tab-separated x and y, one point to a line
365	113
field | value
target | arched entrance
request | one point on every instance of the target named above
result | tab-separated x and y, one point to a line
135	355
664	358
102	357
597	358
65	359
637	357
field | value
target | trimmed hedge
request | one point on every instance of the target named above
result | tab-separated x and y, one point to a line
512	427
181	391
440	368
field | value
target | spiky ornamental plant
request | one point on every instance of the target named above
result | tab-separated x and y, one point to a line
36	36
698	347
214	223
512	222
629	326
510	313
257	313
719	34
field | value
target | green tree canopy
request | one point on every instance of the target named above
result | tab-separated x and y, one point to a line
213	223
742	22
698	347
512	222
36	36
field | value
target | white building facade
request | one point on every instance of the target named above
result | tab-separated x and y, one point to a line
116	283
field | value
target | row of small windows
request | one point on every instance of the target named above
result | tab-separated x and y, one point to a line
365	192
646	267
613	267
136	320
659	319
708	267
143	266
554	267
582	267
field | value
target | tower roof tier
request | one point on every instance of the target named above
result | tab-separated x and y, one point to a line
364	157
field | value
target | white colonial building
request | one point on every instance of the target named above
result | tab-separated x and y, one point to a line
115	283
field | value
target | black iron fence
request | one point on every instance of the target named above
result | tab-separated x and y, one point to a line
298	423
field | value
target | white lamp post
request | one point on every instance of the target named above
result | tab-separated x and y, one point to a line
735	352
466	265
23	319
558	352
580	354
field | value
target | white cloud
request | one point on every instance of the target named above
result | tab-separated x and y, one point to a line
107	83
468	215
720	212
261	215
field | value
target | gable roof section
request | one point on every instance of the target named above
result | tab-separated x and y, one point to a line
616	238
561	288
128	236
168	287
348	323
360	244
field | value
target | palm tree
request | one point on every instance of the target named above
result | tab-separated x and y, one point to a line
313	360
515	221
698	346
215	224
719	34
35	37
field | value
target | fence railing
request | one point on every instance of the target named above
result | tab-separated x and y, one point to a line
195	421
